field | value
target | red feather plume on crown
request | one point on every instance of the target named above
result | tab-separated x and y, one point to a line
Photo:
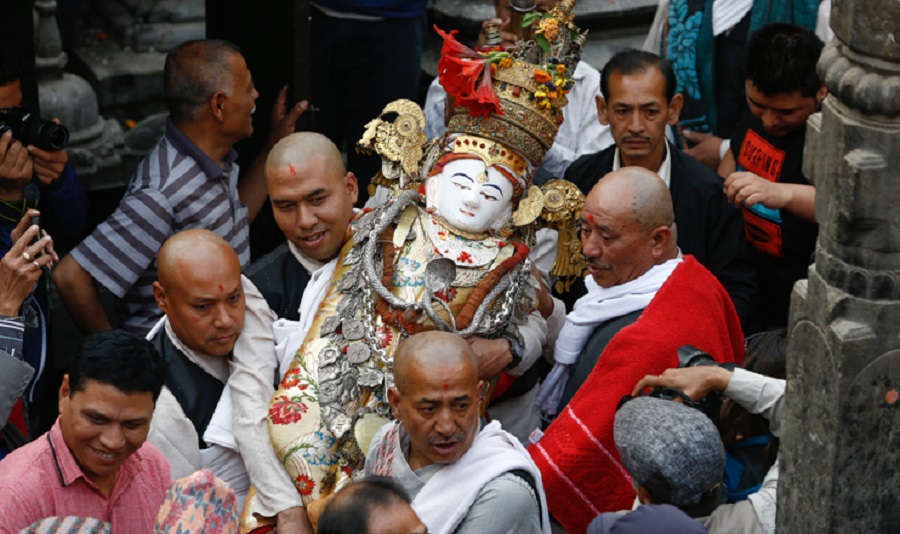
466	76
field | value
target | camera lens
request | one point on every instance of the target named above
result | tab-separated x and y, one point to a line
46	135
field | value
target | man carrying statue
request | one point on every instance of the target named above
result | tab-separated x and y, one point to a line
447	252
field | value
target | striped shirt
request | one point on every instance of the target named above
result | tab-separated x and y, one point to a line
43	479
176	187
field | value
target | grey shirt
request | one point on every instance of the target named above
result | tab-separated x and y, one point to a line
176	187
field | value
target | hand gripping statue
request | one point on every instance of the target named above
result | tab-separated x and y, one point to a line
448	251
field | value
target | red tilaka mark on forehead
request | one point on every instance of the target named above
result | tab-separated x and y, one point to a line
591	218
446	386
293	170
221	288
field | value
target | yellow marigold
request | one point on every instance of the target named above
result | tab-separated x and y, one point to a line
561	69
541	76
559	83
546	104
548	28
540	94
505	63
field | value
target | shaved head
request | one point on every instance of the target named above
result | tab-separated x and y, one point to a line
432	352
312	194
641	192
191	249
627	226
200	291
299	148
437	396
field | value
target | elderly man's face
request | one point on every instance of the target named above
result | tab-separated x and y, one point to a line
439	407
103	426
616	247
637	113
240	101
313	204
205	304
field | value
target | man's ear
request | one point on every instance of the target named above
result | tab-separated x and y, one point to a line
660	237
675	106
352	186
217	105
820	95
63	392
159	294
394	401
601	110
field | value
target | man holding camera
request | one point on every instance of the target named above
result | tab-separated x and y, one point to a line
32	177
674	453
644	301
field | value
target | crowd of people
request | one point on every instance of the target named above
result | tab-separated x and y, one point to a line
412	366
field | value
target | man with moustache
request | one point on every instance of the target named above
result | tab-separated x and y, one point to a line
644	301
462	477
639	100
200	291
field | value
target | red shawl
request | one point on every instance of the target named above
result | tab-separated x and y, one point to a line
577	456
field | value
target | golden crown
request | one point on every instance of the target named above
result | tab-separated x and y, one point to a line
514	96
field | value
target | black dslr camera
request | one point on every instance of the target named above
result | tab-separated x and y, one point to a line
30	130
711	404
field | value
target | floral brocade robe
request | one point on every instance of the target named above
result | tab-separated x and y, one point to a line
314	422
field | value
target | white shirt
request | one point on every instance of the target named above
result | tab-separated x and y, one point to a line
664	172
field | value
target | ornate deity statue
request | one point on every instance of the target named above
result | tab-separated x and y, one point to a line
448	251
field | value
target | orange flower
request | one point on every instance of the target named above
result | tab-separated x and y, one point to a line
505	63
493	69
552	94
548	28
561	68
541	76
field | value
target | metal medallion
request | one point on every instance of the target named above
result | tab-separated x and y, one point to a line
347	308
328	356
353	330
358	352
346	282
329	326
371	379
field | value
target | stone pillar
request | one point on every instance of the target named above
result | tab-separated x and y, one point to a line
93	140
840	459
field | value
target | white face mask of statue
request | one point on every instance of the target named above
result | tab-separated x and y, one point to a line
462	197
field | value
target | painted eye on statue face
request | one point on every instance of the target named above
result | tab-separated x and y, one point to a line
462	183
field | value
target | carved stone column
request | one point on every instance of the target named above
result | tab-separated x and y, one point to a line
840	469
93	140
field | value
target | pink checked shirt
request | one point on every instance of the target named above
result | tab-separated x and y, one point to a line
43	479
